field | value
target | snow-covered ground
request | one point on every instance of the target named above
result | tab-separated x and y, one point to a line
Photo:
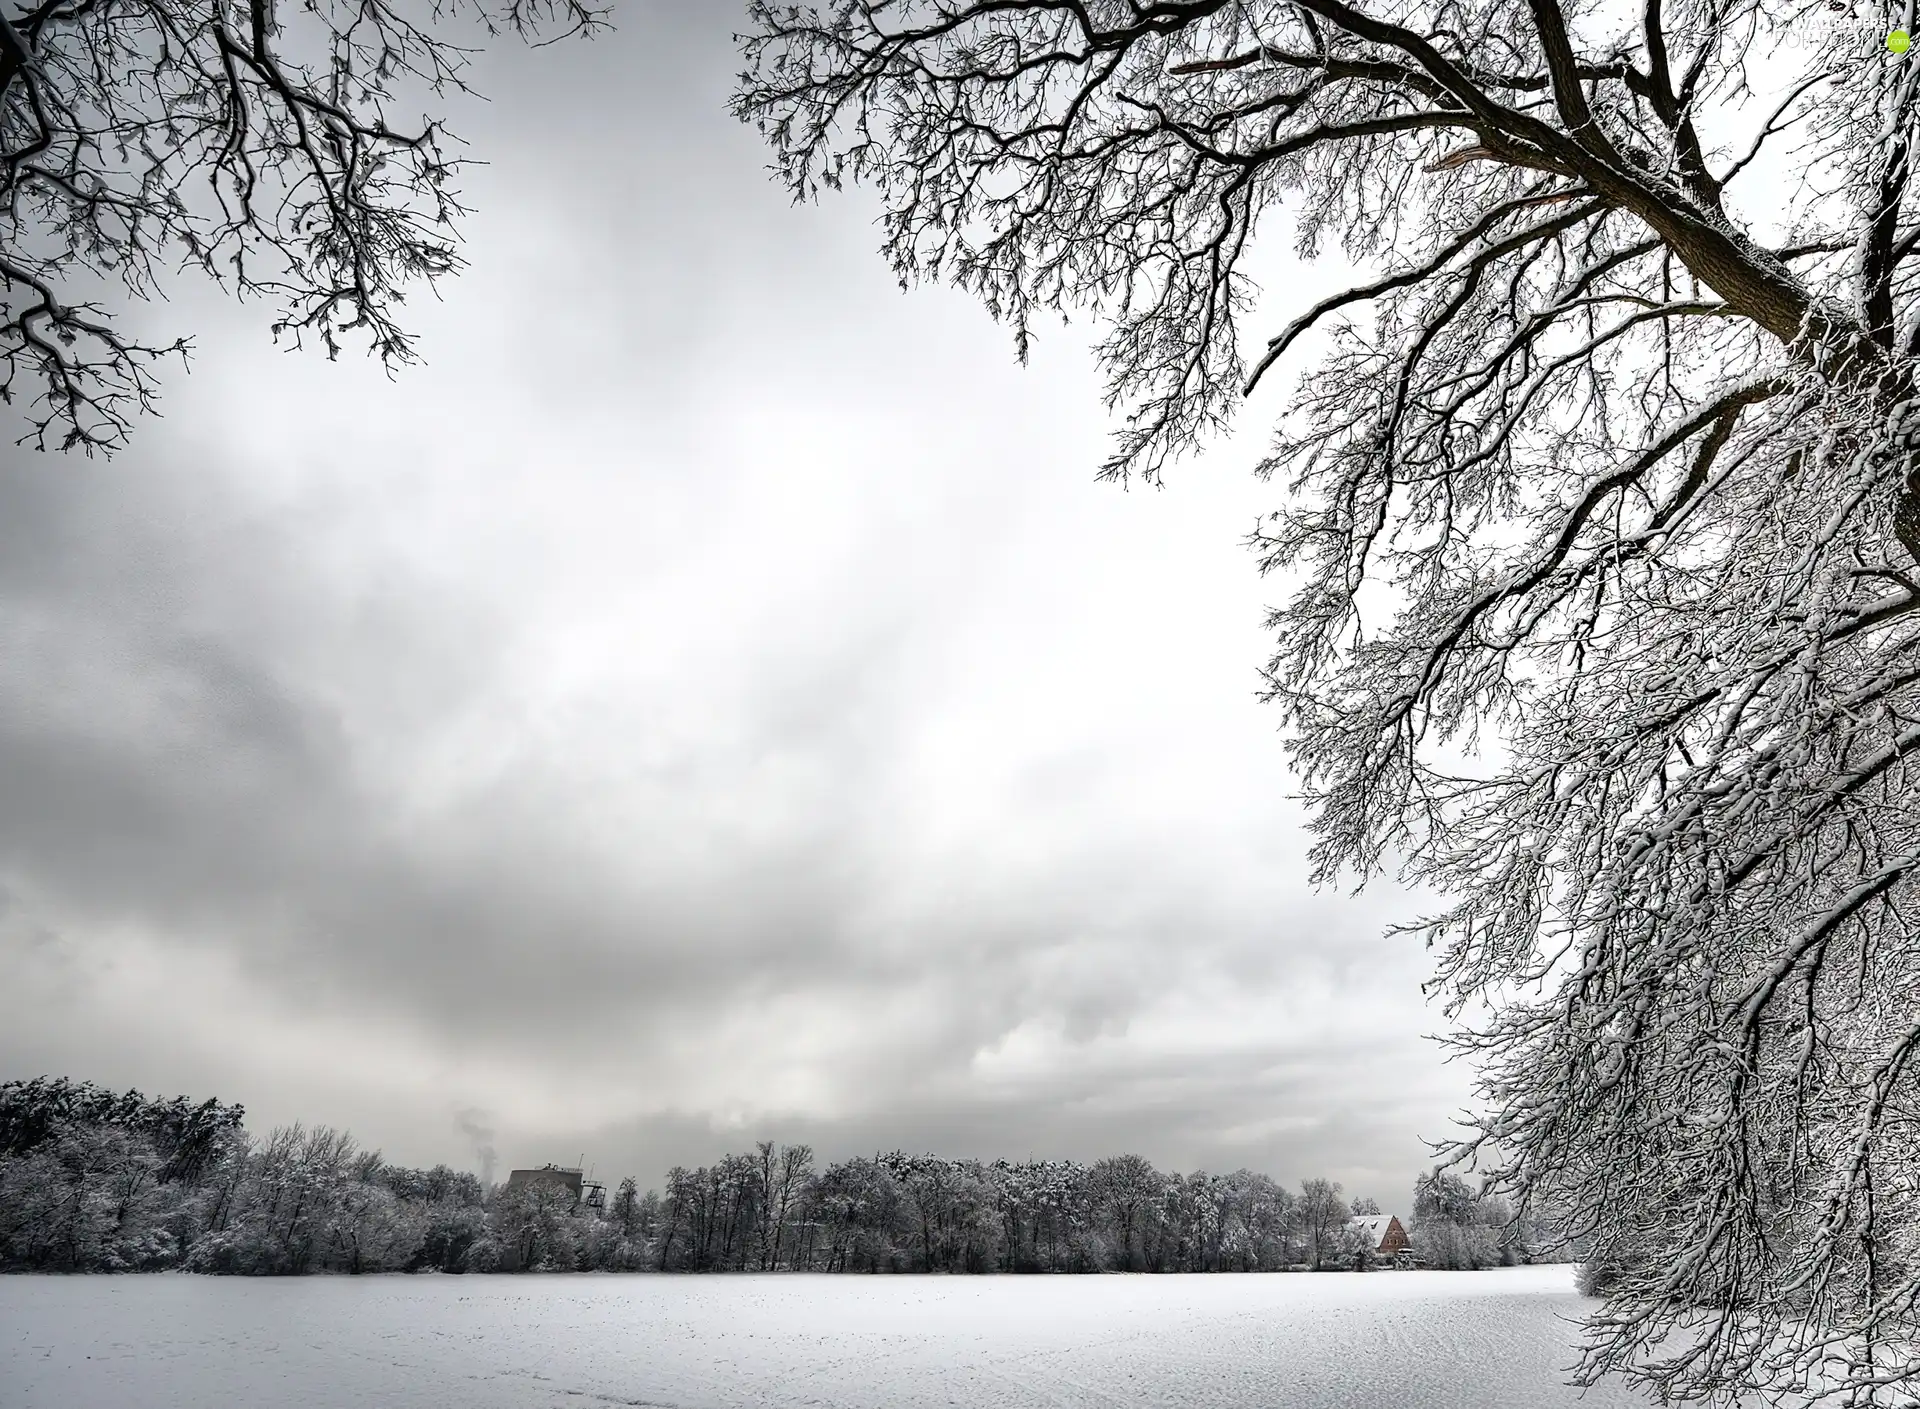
1400	1340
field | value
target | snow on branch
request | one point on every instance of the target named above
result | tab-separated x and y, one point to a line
250	140
1601	533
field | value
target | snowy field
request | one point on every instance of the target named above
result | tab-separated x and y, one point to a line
1391	1340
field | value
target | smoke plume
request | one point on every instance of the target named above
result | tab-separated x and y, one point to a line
472	1123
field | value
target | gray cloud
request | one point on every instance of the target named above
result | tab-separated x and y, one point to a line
710	700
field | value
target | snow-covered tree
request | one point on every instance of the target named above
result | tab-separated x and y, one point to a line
1127	1190
1450	1224
1601	545
252	140
91	1181
1323	1219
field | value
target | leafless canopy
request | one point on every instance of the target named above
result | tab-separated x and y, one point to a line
1611	443
249	138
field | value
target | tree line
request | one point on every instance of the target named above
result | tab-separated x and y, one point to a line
91	1181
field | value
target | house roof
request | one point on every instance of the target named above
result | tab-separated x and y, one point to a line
1373	1225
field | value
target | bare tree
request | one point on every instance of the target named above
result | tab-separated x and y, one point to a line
249	138
788	1179
1611	439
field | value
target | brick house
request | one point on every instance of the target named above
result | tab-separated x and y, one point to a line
1382	1233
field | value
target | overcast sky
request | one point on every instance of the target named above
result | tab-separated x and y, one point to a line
711	700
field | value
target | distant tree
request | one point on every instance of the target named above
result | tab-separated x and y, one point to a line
764	1162
647	1215
284	1214
1454	1247
535	1228
1606	462
1324	1216
1194	1214
1063	1207
927	1188
675	1209
1040	1204
83	1201
1441	1195
371	1230
250	140
1127	1189
791	1174
483	1254
626	1205
1365	1207
733	1191
1269	1211
1450	1229
858	1205
88	1190
188	1137
1595	1279
1355	1249
1508	1232
449	1232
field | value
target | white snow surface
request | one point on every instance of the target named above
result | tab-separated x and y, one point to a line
1385	1340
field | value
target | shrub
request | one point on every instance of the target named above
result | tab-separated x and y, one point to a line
1596	1279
